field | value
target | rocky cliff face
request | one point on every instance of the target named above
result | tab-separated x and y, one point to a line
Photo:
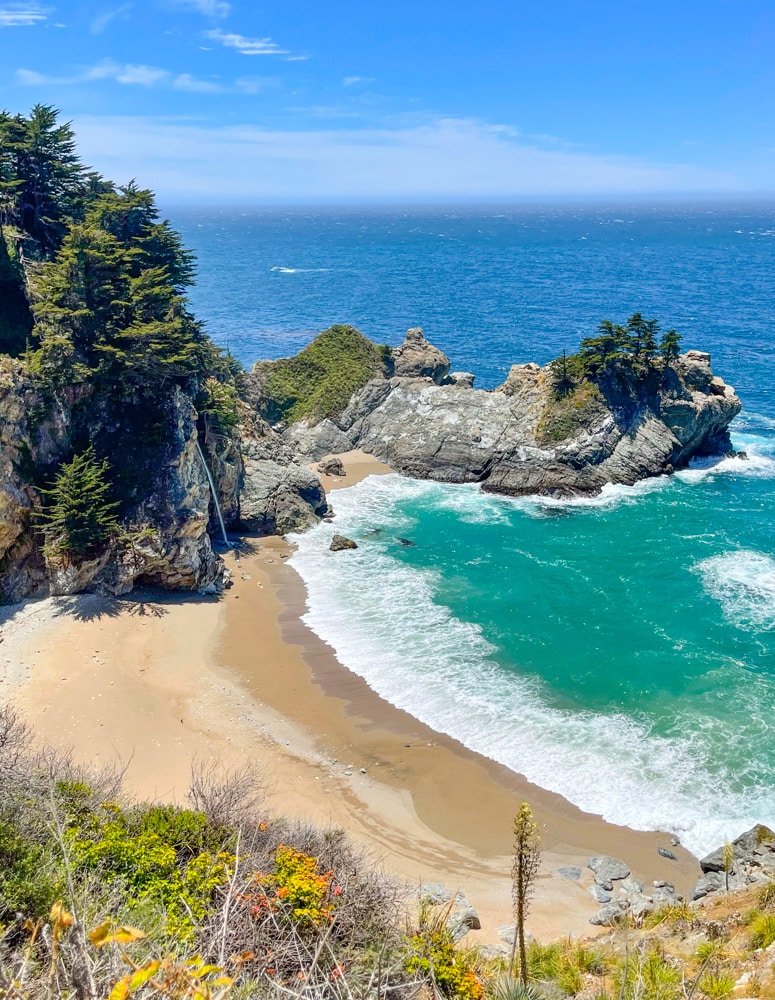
167	542
522	438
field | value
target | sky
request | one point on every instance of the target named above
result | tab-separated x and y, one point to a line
303	100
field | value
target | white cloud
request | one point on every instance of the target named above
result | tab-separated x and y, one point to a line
144	76
185	81
210	8
247	46
23	15
257	84
441	159
351	81
102	20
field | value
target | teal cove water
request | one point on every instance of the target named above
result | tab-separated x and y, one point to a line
619	650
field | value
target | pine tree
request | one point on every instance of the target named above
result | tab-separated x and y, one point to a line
524	870
79	515
670	346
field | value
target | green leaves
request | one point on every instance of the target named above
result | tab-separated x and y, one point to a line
80	515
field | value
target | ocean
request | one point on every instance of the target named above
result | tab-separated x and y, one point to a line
618	650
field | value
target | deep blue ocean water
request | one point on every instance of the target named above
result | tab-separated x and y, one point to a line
620	651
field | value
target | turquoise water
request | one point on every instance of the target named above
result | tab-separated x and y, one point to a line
620	651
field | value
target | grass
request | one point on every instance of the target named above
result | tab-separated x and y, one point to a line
320	381
566	416
762	929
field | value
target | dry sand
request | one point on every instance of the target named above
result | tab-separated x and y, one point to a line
158	680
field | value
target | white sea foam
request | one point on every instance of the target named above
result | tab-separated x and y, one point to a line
381	618
299	270
743	582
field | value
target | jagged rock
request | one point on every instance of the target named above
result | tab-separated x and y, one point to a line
463	380
311	442
630	431
665	892
711	882
570	872
611	914
416	358
462	918
608	869
340	542
331	466
640	905
753	849
631	886
600	894
664	853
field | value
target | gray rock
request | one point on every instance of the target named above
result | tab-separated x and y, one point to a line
663	852
608	869
631	886
710	882
754	848
611	914
331	466
570	872
416	358
666	893
341	542
507	933
463	380
640	905
462	918
600	894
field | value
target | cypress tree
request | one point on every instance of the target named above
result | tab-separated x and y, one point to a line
79	515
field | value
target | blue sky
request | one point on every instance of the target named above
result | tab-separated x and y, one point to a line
237	100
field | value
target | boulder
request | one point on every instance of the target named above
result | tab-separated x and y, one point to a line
663	852
611	914
340	542
416	358
608	869
463	380
462	916
753	849
331	466
600	894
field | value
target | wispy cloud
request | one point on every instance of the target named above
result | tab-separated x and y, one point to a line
247	46
22	15
440	158
195	85
101	21
257	84
132	75
351	81
210	8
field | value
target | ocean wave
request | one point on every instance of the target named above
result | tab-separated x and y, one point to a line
382	620
299	270
743	583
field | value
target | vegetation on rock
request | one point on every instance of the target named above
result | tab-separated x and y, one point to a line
320	381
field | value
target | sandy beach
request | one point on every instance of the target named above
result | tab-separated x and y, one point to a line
157	680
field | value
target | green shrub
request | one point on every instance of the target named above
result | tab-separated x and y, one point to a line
29	879
433	954
717	985
567	415
762	930
648	976
320	380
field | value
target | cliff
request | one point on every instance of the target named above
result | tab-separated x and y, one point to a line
167	514
526	437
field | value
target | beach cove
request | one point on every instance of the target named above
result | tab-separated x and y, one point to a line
157	680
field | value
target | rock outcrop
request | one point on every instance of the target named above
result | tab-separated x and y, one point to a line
260	488
523	438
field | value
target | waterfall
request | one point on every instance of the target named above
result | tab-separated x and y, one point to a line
213	493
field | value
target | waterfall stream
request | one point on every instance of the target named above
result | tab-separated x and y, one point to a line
213	492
